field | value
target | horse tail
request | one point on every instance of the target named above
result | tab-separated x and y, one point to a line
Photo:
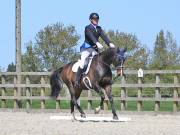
56	82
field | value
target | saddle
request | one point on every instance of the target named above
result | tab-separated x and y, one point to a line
86	66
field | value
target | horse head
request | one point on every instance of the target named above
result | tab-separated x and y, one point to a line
119	60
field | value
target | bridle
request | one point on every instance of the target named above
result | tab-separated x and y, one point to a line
121	67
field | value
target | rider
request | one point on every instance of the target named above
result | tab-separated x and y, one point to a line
91	44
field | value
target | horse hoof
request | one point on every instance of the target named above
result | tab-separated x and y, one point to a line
73	118
97	110
115	117
83	116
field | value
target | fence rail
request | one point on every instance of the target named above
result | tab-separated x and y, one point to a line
123	85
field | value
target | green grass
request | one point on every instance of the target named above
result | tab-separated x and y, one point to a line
64	104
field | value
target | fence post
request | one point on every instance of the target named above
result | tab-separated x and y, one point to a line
18	51
89	100
157	94
3	104
28	93
15	93
123	94
42	93
175	94
139	103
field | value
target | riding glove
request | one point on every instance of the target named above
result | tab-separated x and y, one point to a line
99	45
111	45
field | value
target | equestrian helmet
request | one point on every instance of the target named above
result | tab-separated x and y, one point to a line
93	16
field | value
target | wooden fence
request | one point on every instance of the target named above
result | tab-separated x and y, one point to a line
123	85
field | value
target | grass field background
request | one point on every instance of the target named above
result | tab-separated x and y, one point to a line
64	104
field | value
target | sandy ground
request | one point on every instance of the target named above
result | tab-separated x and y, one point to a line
22	123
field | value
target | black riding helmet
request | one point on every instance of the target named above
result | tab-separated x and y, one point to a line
93	16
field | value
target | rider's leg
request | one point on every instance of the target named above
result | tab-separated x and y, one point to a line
78	77
84	55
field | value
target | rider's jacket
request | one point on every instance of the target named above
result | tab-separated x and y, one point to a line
92	34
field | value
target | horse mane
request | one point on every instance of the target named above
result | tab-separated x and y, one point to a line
106	55
108	52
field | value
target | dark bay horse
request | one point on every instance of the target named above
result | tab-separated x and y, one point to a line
99	74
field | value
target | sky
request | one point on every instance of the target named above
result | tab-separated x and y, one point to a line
145	18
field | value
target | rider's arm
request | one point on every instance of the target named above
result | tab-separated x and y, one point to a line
104	37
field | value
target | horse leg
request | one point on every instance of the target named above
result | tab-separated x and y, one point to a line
102	99
110	97
74	96
101	94
72	110
78	107
77	95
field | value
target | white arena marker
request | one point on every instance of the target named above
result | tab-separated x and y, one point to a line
107	119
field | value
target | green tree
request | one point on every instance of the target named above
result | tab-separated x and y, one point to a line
11	67
173	50
30	60
55	45
165	56
166	52
160	53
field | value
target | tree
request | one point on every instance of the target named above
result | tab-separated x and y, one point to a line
137	53
30	60
11	67
173	50
160	52
55	45
166	52
165	56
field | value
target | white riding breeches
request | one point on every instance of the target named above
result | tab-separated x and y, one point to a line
85	54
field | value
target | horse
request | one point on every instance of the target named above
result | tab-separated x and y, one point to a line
99	74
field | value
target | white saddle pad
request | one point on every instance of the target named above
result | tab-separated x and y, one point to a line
77	64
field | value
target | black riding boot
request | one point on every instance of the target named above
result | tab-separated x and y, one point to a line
78	77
